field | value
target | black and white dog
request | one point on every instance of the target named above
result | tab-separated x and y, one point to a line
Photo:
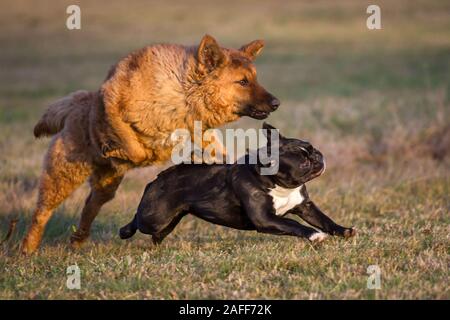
238	196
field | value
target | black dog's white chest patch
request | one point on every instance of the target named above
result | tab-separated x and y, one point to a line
285	199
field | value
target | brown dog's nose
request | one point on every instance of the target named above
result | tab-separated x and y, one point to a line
275	103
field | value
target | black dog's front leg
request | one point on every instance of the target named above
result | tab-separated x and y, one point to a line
258	206
267	222
309	212
283	226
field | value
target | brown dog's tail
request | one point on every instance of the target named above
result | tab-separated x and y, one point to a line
53	119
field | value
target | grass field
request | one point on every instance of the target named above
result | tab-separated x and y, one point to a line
377	103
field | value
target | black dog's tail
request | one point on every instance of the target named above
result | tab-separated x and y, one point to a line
129	230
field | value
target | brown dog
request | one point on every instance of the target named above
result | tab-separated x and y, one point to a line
128	122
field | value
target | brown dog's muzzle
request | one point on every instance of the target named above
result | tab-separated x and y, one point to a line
274	103
266	104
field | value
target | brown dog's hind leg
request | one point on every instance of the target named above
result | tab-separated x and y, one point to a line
60	177
104	183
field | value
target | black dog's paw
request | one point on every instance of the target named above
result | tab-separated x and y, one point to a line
350	232
317	237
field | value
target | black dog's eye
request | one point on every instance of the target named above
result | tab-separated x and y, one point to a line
304	151
243	82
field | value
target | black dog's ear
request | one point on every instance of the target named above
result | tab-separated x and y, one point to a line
267	126
267	131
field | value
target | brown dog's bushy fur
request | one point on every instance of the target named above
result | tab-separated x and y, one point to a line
128	122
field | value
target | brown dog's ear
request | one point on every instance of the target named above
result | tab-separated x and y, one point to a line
210	55
253	49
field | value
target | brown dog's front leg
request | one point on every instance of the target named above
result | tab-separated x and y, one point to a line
309	212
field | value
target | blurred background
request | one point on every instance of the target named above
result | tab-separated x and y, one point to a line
375	102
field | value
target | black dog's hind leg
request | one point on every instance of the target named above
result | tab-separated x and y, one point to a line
309	212
159	237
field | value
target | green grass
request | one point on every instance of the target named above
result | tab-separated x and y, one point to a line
376	103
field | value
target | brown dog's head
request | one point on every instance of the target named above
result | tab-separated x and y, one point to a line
232	74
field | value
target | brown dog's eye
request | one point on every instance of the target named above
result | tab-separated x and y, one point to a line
243	82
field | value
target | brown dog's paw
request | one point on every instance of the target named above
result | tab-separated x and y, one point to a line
78	238
110	150
348	233
30	243
106	150
28	248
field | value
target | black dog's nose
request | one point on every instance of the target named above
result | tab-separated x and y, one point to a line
275	103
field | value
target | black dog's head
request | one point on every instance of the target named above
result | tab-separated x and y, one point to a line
298	163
